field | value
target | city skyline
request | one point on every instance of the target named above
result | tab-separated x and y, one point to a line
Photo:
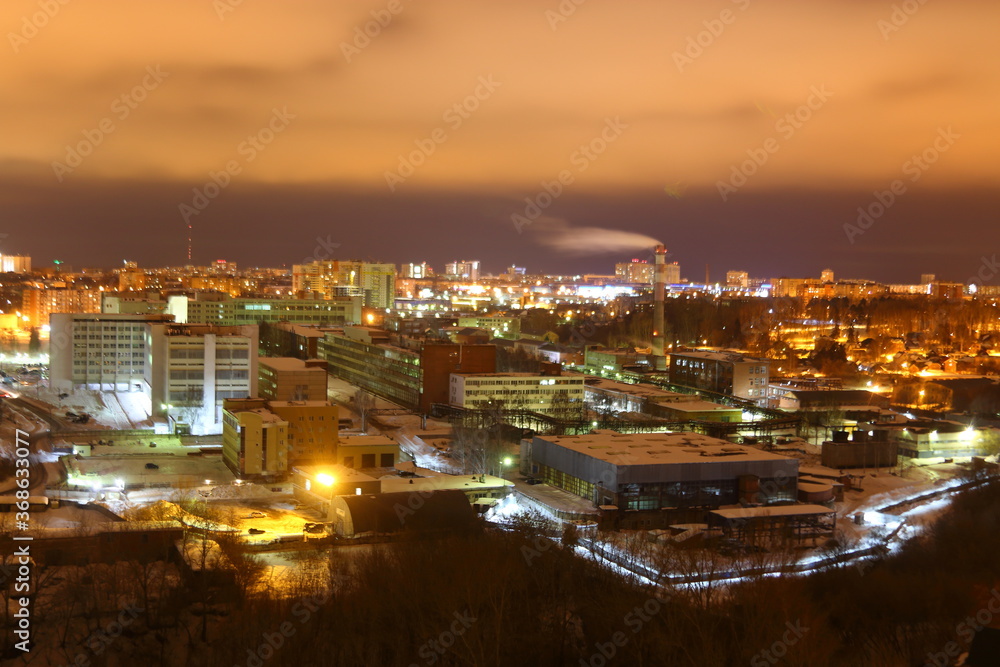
648	119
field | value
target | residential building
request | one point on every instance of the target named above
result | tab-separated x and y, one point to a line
374	282
738	279
463	270
38	304
638	271
15	264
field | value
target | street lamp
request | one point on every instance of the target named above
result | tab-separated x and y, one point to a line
505	461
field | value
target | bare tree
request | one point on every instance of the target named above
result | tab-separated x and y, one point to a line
364	403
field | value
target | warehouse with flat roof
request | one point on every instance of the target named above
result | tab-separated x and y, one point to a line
648	471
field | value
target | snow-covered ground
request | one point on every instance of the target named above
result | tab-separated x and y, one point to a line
124	410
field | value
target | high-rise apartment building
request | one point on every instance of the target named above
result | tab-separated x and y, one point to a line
738	279
637	271
374	282
463	270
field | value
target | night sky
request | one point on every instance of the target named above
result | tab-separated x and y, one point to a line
488	100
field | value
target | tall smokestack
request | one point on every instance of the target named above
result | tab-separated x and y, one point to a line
659	291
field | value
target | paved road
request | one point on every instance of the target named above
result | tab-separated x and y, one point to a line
39	476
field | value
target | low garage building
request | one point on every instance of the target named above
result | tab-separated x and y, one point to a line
396	512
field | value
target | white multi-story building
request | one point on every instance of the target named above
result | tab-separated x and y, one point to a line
15	264
540	393
100	352
194	367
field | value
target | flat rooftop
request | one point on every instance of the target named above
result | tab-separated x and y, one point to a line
288	364
777	510
396	484
571	376
701	406
641	390
341	474
685	447
366	441
718	356
299	404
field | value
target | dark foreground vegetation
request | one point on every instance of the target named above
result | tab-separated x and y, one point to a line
514	598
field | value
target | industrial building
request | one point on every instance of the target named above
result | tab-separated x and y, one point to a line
926	439
254	440
195	367
864	449
722	372
308	432
546	394
323	488
651	471
218	308
605	395
101	352
774	525
290	379
414	373
185	371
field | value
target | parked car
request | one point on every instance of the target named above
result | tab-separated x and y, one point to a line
256	515
255	531
152	466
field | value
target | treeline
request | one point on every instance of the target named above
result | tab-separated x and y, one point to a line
519	597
